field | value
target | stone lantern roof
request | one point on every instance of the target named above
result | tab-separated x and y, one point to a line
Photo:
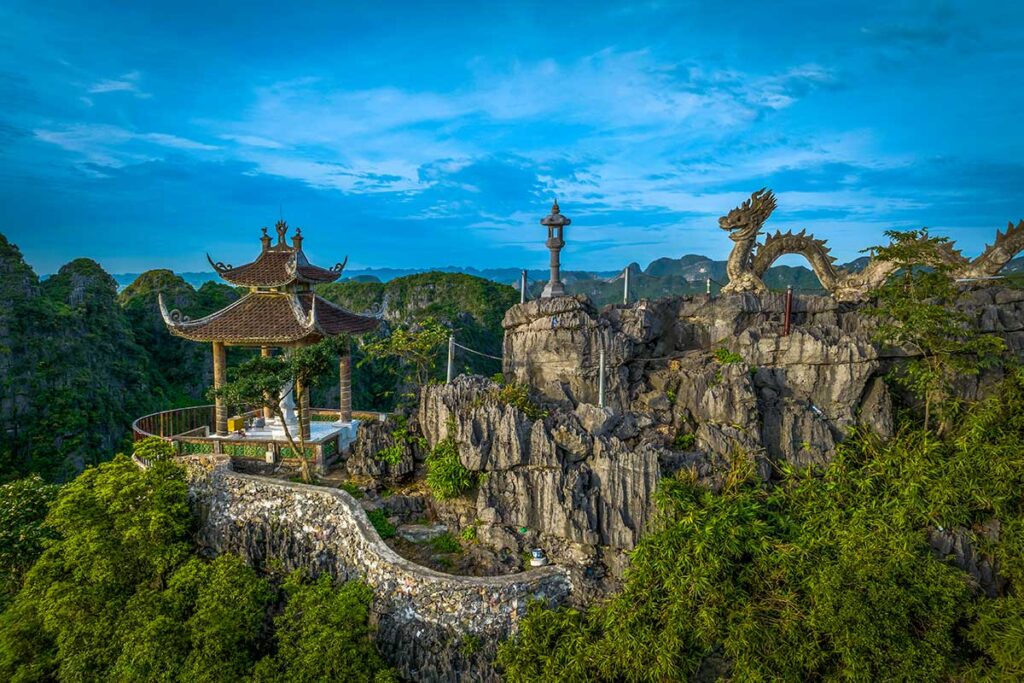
555	218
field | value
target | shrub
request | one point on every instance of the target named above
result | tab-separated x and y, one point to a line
518	395
445	543
726	357
447	477
23	507
324	635
153	448
401	438
469	533
684	441
379	520
351	489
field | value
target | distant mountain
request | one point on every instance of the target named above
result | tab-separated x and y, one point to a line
662	277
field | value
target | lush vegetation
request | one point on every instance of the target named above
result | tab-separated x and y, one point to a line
916	314
447	477
115	592
413	350
825	575
469	307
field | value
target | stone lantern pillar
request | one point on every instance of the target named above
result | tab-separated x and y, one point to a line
555	223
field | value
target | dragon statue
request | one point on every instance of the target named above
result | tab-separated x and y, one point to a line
749	261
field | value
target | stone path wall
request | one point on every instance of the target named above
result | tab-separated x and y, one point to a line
432	626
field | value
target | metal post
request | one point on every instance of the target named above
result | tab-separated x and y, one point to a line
522	287
625	286
600	379
789	310
451	358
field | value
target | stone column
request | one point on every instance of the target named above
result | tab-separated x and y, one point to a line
220	363
302	393
268	412
345	386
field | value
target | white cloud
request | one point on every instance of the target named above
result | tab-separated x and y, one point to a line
113	146
253	141
128	82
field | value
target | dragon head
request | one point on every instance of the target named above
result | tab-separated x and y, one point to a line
746	220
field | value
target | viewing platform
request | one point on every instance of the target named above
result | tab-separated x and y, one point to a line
193	431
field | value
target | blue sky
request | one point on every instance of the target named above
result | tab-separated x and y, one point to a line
429	134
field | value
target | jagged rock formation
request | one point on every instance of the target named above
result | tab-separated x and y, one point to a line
690	383
431	626
749	261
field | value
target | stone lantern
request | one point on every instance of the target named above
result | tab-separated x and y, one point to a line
555	223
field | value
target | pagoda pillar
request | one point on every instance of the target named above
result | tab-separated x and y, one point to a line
268	412
220	363
345	386
302	394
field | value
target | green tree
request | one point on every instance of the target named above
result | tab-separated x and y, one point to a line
324	635
259	382
23	507
917	312
417	348
118	528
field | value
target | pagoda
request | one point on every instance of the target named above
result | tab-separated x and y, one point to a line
280	310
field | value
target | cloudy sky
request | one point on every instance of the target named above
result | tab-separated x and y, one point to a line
435	133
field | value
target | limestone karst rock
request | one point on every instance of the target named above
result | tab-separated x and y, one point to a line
691	382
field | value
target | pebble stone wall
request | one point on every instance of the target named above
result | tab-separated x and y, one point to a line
431	626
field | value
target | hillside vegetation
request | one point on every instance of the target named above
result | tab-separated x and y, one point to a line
848	572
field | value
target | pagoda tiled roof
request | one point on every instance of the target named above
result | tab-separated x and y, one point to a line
277	268
270	318
278	265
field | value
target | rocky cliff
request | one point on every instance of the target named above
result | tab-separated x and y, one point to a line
690	382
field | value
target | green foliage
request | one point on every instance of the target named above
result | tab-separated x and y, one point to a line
471	644
445	543
402	438
518	395
447	477
117	593
684	441
153	448
416	347
468	534
74	377
324	635
23	506
471	307
379	520
727	357
351	489
119	529
827	575
916	312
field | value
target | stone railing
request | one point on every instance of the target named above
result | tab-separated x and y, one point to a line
431	626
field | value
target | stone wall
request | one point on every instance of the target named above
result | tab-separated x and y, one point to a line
432	626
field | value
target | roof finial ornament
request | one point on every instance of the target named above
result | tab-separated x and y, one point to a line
554	206
282	230
265	240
